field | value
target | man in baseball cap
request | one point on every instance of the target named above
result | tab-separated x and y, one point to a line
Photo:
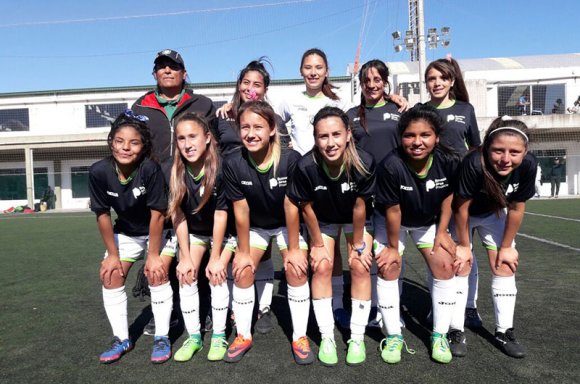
171	55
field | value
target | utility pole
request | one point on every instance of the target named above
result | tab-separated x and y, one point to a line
421	49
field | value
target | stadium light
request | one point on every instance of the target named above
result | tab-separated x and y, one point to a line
433	39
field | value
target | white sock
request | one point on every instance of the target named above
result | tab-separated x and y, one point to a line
443	295
161	306
264	282
337	292
388	295
473	284
299	303
189	295
243	306
115	301
220	297
324	318
359	318
504	291
374	299
458	316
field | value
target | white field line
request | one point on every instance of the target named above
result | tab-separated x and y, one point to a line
548	242
552	217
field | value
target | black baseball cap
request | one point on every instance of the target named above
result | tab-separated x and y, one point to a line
170	54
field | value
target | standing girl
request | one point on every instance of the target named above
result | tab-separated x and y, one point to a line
334	186
198	209
494	185
256	179
133	185
414	194
460	132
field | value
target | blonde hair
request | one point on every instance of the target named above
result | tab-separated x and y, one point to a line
211	166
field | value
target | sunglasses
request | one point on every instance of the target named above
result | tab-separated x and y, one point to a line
173	66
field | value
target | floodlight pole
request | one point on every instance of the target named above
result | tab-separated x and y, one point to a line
422	60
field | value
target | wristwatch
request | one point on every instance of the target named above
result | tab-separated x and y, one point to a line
361	249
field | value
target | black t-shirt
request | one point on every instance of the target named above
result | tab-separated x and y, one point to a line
381	123
460	129
264	192
132	201
332	200
419	197
201	223
519	186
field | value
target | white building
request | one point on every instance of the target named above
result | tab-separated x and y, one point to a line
50	138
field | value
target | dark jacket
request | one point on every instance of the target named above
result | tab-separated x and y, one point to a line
160	126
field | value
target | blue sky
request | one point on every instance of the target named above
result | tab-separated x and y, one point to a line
60	44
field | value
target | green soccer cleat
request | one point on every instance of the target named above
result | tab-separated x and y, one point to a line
391	349
327	352
440	351
192	345
217	348
356	353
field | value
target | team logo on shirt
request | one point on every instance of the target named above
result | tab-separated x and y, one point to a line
245	182
512	188
138	191
114	194
320	187
391	116
278	182
457	118
436	184
406	188
345	187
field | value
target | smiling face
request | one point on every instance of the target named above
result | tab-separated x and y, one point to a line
506	152
418	141
255	132
169	74
127	146
314	71
438	85
373	89
252	86
331	137
191	141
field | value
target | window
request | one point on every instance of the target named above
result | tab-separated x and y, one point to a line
14	120
80	181
102	115
13	183
542	99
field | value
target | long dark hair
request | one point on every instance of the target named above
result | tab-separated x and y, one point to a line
327	88
128	119
501	126
450	69
256	66
383	71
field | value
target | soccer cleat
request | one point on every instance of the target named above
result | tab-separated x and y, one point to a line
301	350
508	343
217	348
118	348
189	348
327	352
391	349
457	343
342	318
472	318
237	349
161	350
440	351
264	324
356	353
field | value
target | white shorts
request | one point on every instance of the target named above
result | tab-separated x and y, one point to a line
490	228
423	237
133	248
260	238
332	230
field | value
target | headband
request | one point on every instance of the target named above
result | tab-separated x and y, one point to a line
511	129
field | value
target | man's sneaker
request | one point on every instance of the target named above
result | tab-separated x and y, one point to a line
508	344
357	353
237	349
264	324
161	350
391	349
149	329
302	353
457	343
192	345
472	318
342	318
118	349
327	352
217	348
440	351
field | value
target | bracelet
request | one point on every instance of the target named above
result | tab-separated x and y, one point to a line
361	249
